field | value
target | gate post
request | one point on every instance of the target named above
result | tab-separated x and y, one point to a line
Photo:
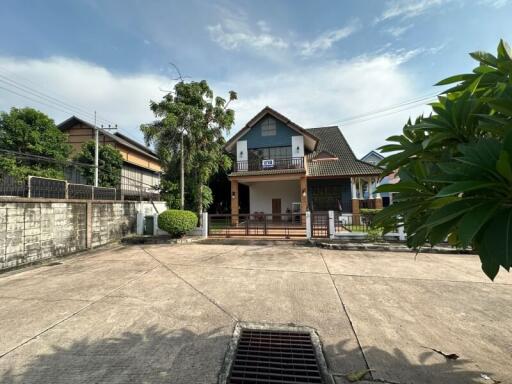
331	225
308	225
205	224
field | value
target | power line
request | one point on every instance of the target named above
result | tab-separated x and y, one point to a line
411	103
47	99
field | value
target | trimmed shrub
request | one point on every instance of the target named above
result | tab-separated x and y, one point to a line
176	222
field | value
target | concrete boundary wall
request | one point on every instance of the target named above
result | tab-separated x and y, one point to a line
32	230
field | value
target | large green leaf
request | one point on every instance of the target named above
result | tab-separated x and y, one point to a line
448	212
503	165
495	244
466	186
474	220
485	58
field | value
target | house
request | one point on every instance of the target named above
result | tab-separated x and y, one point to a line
141	168
373	157
282	167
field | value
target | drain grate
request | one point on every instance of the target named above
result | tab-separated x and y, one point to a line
266	356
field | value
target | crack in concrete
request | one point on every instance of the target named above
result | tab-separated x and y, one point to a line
77	312
233	317
346	314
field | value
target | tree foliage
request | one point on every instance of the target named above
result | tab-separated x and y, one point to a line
110	163
193	108
455	166
32	132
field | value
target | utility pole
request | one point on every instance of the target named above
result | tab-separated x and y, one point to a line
96	151
182	171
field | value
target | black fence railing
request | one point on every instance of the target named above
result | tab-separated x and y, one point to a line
352	222
285	225
269	164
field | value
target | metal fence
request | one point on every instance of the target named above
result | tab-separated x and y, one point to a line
41	187
286	225
352	222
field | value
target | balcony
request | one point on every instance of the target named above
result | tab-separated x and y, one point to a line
269	164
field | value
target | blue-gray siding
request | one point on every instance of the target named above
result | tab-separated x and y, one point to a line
283	136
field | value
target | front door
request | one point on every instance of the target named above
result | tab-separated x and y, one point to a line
276	209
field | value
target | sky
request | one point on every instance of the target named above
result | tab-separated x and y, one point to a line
317	62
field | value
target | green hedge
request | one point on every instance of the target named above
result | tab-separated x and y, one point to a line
176	222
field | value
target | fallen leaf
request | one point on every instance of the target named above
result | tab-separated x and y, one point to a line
357	375
449	356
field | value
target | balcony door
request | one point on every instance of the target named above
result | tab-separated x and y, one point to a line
276	209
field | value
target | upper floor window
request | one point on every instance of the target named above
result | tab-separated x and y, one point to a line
268	127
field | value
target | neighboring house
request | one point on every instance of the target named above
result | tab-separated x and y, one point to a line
141	168
287	168
374	158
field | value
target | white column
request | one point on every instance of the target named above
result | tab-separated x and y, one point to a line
155	224
331	224
308	225
361	196
354	187
370	188
377	196
140	223
205	224
401	233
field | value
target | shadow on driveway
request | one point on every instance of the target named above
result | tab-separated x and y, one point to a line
181	356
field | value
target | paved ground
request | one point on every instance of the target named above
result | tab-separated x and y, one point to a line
165	314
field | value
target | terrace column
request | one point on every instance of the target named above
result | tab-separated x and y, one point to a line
378	198
355	202
234	202
303	199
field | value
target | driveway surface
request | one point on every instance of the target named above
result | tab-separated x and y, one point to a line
165	314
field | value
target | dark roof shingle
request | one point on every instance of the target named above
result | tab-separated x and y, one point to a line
332	140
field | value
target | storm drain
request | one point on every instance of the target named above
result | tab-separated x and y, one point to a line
274	356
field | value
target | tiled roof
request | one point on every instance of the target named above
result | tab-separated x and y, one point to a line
267	172
333	141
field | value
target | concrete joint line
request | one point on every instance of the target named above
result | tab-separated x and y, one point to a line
346	314
192	286
77	312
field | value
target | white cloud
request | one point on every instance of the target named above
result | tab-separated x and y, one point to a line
123	99
235	33
407	8
233	39
495	3
327	39
310	95
398	31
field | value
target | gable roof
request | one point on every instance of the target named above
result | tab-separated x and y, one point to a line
331	140
310	140
372	153
117	137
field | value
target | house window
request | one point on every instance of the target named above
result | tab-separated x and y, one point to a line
268	127
258	154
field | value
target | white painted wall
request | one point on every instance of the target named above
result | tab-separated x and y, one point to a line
262	193
298	141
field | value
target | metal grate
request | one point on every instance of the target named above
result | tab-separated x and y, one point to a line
265	356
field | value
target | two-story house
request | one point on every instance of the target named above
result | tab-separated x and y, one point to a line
288	168
140	174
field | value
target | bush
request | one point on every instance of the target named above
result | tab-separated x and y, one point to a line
176	222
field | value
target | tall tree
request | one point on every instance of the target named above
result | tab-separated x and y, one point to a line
110	162
455	166
193	109
32	132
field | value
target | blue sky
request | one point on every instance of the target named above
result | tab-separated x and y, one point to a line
318	62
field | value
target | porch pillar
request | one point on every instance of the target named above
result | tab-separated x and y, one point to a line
303	199
234	202
355	202
378	197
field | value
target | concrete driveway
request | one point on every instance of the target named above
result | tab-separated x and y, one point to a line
165	314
